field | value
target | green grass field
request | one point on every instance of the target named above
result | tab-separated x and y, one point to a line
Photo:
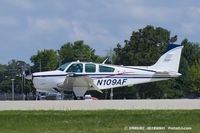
97	121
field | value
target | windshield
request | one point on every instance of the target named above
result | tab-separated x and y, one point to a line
62	67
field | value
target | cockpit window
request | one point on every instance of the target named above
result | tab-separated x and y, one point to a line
76	67
63	67
105	69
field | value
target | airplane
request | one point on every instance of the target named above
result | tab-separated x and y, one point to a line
82	76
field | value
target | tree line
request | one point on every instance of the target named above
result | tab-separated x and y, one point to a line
143	48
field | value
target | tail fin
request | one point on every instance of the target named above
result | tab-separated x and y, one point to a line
170	60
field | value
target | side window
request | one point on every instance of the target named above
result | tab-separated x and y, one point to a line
105	69
77	67
90	68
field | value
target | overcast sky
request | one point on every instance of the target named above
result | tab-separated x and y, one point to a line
27	26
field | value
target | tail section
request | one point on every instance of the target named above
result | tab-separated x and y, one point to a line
170	60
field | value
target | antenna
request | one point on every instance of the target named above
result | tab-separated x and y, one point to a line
104	61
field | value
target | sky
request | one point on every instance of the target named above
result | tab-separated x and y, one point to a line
27	26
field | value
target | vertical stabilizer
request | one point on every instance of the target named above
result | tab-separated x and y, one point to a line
170	60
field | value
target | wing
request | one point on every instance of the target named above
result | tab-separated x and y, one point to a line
79	84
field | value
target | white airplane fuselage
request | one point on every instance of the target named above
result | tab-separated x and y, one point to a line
105	76
122	76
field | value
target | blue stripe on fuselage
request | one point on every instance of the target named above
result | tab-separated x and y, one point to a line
142	69
105	76
58	75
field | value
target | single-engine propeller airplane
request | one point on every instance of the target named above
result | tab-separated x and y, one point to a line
82	76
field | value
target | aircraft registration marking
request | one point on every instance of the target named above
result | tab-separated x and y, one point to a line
111	82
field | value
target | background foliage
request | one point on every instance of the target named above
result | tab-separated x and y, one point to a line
143	48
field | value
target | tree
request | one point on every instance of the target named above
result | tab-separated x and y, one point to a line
3	75
193	78
45	60
77	51
144	48
66	53
3	70
14	70
189	68
83	51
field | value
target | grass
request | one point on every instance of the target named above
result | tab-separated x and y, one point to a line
111	121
